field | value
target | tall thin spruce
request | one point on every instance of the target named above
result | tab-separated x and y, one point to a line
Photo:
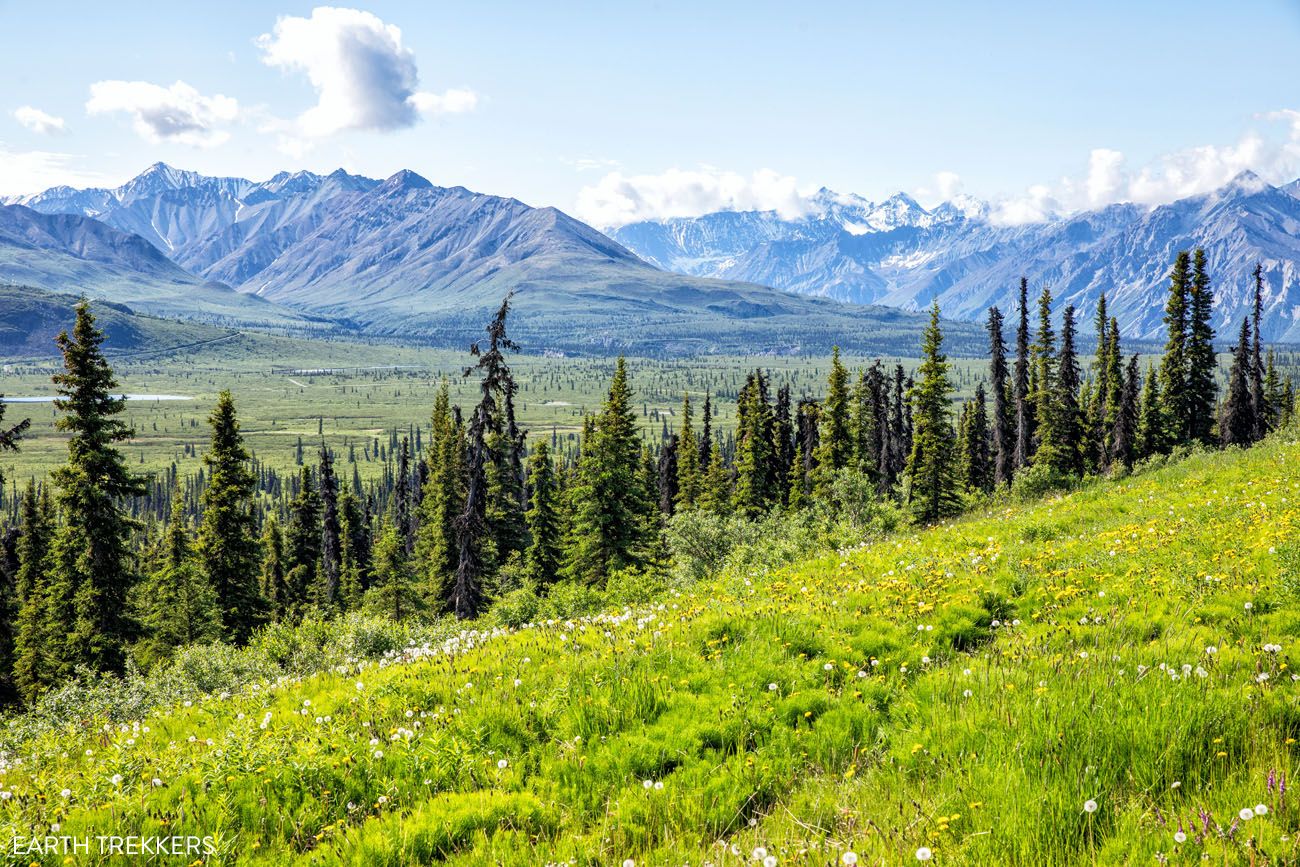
1003	442
471	525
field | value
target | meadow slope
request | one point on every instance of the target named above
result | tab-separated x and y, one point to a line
959	692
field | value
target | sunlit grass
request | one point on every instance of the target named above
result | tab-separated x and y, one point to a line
959	692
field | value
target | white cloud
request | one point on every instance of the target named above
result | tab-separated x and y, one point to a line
618	199
1105	175
454	101
947	184
1036	205
24	172
364	77
1271	153
38	121
178	113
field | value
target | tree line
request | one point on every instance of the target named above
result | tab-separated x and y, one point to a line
85	586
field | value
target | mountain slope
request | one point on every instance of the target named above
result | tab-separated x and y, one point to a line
955	254
79	255
30	318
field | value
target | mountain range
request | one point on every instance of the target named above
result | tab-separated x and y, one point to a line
403	257
899	254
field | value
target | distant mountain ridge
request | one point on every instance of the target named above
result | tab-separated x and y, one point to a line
957	255
75	254
404	257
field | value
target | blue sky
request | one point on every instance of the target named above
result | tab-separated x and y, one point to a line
616	111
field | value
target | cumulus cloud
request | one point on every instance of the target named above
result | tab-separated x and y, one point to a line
618	199
364	77
1269	152
1105	175
38	121
178	113
947	184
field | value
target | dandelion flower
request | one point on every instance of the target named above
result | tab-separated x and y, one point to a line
771	687
1180	837
502	764
849	858
628	862
1261	810
1090	806
924	854
1246	814
758	854
769	861
67	793
646	784
116	779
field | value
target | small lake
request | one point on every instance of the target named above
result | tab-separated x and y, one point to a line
47	398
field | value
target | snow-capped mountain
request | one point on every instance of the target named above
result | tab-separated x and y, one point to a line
711	245
908	256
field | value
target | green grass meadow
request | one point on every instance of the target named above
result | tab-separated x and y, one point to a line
962	693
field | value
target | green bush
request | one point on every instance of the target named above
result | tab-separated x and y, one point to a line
516	608
1040	480
568	599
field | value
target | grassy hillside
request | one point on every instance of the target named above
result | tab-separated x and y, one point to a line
970	689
